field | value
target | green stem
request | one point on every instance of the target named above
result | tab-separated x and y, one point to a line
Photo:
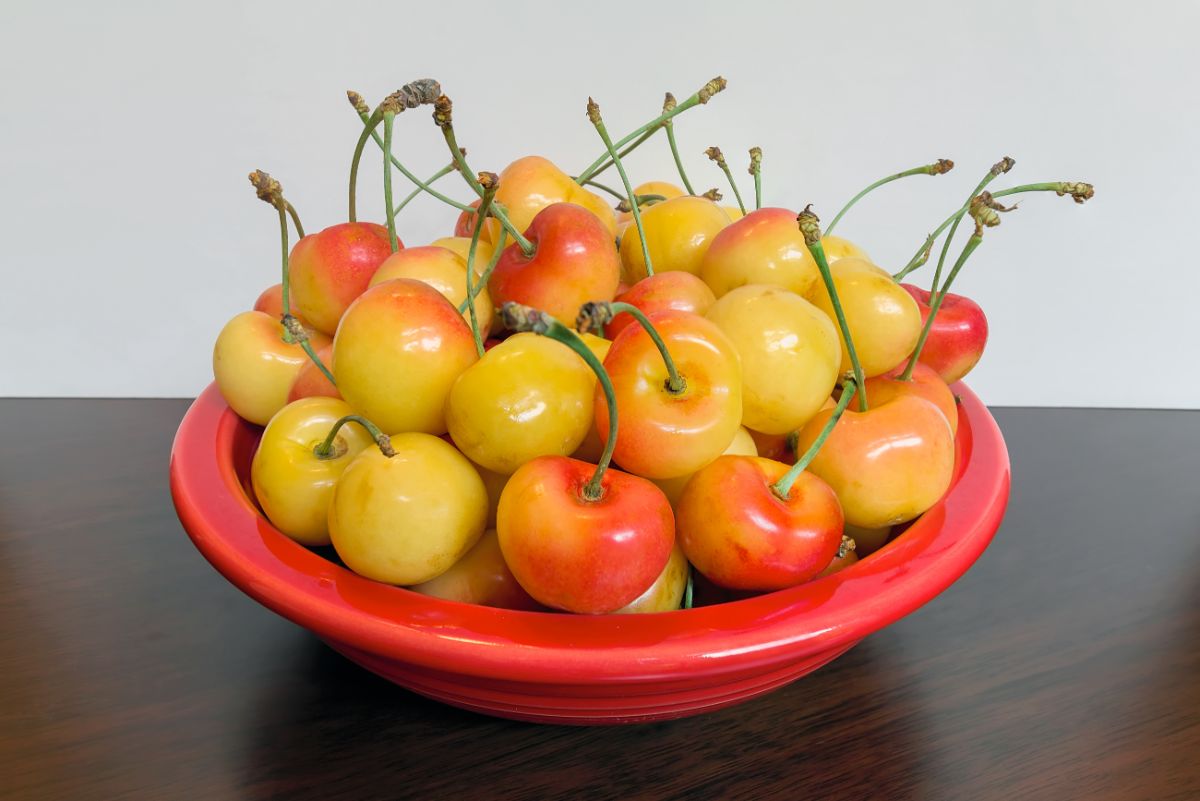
497	212
522	318
699	98
608	162
812	238
997	169
423	186
291	210
678	161
757	190
936	302
1079	191
604	188
293	331
324	449
937	168
484	204
783	487
675	382
389	122
369	124
724	165
594	116
487	273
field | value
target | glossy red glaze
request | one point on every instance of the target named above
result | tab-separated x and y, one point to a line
556	668
575	261
330	268
583	556
675	290
958	336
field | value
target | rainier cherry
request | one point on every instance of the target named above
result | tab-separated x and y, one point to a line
678	233
480	577
957	337
331	268
443	270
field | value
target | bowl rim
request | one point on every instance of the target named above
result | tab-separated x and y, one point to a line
558	649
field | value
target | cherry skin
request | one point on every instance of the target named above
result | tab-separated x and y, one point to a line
675	290
925	383
868	540
581	555
407	518
764	247
667	591
575	262
311	382
481	577
742	445
888	464
666	189
592	446
837	247
398	350
443	270
678	233
494	483
461	247
958	335
789	351
664	433
741	535
884	320
527	397
839	563
531	184
255	368
464	226
293	484
330	268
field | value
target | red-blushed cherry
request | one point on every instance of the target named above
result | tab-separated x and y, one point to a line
399	349
764	247
330	268
480	577
580	537
924	383
673	290
668	590
957	337
311	382
575	261
465	225
749	523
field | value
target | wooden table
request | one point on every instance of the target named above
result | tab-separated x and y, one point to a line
1064	665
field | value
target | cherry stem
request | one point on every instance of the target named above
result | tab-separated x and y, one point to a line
324	450
689	592
716	155
523	318
756	171
609	162
600	313
604	188
291	210
937	168
936	302
442	115
999	168
482	281
669	103
810	226
699	98
1079	191
783	487
369	125
423	186
389	122
491	183
593	112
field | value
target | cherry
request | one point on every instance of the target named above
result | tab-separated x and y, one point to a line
763	247
924	382
678	233
443	270
957	336
332	267
668	590
310	382
675	290
480	577
255	365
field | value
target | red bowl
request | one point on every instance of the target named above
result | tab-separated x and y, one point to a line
557	668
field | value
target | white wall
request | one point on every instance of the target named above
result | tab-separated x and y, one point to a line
130	234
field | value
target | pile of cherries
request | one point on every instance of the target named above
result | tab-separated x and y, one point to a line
571	406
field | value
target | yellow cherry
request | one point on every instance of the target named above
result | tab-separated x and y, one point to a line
405	519
443	270
481	577
666	593
678	233
293	484
742	445
764	247
789	351
461	247
837	247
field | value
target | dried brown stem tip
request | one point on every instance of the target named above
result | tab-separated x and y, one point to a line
593	112
810	225
716	155
488	180
418	93
294	328
1078	190
1002	166
593	317
443	112
848	544
385	445
267	188
985	211
524	318
711	88
941	167
755	160
713	194
357	101
669	103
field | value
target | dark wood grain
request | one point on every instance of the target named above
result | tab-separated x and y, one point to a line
1065	665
